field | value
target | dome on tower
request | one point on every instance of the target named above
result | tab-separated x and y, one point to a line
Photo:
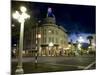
50	18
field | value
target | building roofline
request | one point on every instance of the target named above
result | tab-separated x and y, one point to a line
62	28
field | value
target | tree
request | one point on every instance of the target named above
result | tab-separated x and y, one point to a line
90	39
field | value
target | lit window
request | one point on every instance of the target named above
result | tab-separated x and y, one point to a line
49	31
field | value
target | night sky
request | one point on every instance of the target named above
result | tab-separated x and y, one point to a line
76	19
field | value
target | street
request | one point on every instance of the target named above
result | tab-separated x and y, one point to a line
52	64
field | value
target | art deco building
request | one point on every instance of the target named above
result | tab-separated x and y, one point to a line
46	37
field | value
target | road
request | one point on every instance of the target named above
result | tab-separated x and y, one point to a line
80	62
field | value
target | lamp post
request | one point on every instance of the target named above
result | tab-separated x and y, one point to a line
80	41
37	48
38	37
20	17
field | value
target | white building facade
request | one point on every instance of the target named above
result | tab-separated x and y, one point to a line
52	40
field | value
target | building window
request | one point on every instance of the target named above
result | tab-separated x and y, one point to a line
49	31
52	39
56	40
65	36
44	31
56	32
61	41
49	39
52	32
44	39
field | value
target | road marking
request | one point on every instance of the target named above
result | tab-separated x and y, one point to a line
90	65
79	67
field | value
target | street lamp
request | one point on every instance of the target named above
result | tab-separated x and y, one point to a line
13	25
79	43
79	46
38	36
15	45
20	17
80	40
